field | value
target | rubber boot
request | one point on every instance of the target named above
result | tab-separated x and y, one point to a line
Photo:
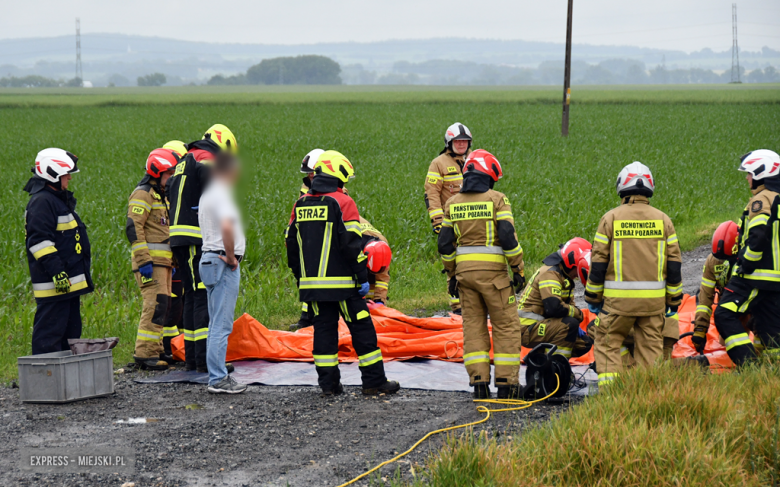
513	391
481	390
150	363
389	387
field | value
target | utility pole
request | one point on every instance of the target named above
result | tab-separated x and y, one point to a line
79	72
735	46
567	75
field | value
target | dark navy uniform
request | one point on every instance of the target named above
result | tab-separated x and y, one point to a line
56	242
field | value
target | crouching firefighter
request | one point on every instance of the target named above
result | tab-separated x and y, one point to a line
476	242
147	232
546	308
325	255
755	286
379	255
58	252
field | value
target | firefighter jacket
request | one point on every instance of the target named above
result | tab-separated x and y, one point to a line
759	238
324	243
187	184
381	281
636	267
306	186
147	226
444	179
56	242
478	231
714	276
549	294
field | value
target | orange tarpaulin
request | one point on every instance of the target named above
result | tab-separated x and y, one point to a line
402	337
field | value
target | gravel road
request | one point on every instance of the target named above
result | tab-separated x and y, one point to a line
268	436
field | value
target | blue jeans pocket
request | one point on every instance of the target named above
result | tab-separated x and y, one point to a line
210	270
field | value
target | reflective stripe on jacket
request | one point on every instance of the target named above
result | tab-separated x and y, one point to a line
759	238
186	186
548	294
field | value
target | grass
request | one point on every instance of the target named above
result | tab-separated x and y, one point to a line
659	427
559	187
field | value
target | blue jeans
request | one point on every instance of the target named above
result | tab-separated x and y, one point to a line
222	290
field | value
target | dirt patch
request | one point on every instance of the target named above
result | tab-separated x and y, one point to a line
267	436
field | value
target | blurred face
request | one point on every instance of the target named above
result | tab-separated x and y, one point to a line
460	146
65	180
310	176
165	176
749	178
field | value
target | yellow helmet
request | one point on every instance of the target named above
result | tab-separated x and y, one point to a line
223	137
177	146
334	164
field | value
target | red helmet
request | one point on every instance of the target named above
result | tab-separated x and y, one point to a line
159	161
572	250
484	162
724	241
583	267
379	256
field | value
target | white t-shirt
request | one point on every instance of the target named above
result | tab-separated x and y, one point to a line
217	203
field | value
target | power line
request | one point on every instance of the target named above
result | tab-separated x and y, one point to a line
735	46
79	71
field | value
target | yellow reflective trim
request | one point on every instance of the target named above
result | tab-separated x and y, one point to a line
47	293
527	321
201	285
752	255
593	287
661	259
737	340
434	175
503	215
634	293
435	212
370	358
61	227
758	220
618	260
480	258
44	251
448	257
181	188
381	284
703	309
489	233
672	239
515	251
325	251
167	254
146	205
707	282
446	223
361	315
600	237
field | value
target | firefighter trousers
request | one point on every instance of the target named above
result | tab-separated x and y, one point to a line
483	293
195	316
173	321
156	294
561	332
735	301
611	334
56	322
326	342
671	334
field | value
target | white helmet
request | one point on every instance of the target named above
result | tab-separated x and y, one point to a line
457	131
761	164
51	164
635	177
307	165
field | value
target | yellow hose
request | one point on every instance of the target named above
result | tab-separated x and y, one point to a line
482	409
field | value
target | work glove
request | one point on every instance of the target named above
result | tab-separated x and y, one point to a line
452	287
61	283
518	281
364	288
581	333
436	228
173	271
595	308
146	270
745	267
671	311
374	304
699	340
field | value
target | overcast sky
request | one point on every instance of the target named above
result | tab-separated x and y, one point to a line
667	24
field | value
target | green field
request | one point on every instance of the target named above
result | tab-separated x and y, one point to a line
690	138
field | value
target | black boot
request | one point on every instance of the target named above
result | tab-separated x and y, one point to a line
339	389
481	390
169	359
303	322
458	312
389	387
513	391
150	363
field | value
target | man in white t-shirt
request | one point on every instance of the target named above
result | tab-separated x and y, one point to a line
223	249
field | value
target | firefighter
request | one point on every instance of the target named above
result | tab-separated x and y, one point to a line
147	232
444	179
377	250
324	252
476	242
187	184
635	275
173	321
546	308
755	286
58	252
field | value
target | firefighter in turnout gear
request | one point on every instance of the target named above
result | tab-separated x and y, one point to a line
444	179
477	241
307	169
635	275
187	184
324	252
147	232
374	243
546	308
717	271
58	252
755	285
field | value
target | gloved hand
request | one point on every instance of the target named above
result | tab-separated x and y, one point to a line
699	340
61	283
452	287
373	304
436	228
518	281
595	308
671	311
379	304
581	333
146	270
745	267
364	288
173	271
